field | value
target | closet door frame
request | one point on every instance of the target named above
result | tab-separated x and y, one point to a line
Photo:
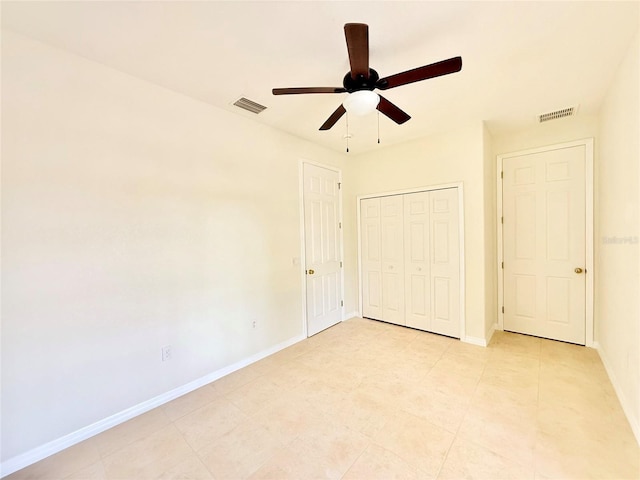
428	188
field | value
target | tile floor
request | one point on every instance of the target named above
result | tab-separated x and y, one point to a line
367	400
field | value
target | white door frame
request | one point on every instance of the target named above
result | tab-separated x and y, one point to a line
588	144
303	258
460	187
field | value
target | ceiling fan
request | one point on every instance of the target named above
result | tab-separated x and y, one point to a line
361	80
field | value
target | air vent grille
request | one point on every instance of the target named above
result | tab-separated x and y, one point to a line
563	112
249	105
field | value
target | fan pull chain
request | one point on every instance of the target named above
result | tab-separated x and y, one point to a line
378	127
347	135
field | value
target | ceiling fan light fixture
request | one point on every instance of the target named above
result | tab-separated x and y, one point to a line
361	102
361	80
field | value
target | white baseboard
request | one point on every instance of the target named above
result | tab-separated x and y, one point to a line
39	453
482	342
626	405
489	335
349	315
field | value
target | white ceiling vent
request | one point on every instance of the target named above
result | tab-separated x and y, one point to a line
249	105
563	112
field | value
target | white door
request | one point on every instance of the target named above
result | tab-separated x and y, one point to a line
445	262
322	247
392	247
371	259
544	244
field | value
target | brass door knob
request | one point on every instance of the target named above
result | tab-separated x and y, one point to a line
311	272
578	270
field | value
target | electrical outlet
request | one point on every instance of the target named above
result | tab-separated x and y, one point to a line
166	353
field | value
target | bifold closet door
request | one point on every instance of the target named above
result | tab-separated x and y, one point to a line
416	260
410	258
381	230
392	267
445	262
370	256
432	261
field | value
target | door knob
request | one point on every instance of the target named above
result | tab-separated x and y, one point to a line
578	270
311	272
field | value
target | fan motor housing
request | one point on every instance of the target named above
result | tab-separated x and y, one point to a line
360	82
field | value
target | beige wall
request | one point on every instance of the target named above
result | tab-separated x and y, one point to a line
548	133
133	218
446	158
617	314
490	235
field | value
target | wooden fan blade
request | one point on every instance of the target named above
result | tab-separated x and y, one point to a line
297	90
391	111
444	67
357	36
335	116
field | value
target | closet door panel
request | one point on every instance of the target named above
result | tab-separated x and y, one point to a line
371	257
445	262
392	238
416	260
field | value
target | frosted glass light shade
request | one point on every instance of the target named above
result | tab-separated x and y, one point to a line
361	102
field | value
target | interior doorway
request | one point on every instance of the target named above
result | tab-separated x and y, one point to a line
545	232
322	222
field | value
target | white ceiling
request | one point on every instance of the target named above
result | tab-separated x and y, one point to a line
519	58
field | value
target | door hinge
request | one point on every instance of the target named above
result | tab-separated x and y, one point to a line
502	309
339	224
339	185
501	174
503	265
340	264
501	219
342	303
